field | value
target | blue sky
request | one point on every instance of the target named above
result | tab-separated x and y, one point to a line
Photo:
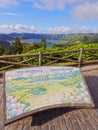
49	16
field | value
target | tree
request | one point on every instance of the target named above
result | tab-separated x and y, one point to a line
7	52
1	50
18	48
37	45
43	41
27	46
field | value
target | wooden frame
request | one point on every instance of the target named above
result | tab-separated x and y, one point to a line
79	61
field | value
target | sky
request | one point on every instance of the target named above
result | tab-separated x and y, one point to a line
49	16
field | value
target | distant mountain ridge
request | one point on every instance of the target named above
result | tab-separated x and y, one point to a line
6	40
67	37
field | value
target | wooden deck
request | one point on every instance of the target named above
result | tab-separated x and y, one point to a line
60	118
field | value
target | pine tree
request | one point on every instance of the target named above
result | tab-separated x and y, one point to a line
43	41
18	48
1	50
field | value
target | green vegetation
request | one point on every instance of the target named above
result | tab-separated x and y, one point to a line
61	55
72	42
43	42
18	48
65	41
1	50
84	46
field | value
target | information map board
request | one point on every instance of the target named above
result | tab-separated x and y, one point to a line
35	89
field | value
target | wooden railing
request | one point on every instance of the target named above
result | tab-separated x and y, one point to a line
68	57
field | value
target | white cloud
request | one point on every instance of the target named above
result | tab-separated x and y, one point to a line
34	29
52	30
61	29
81	10
55	4
6	27
7	3
86	12
84	29
95	30
68	30
81	29
9	13
18	28
50	4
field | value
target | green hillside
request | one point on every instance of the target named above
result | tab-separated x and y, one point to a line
66	41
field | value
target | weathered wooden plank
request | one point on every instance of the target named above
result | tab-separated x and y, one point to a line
77	126
26	128
89	62
52	62
57	123
54	58
20	127
91	49
19	63
18	55
7	128
62	59
46	127
55	61
91	54
51	126
89	125
15	63
83	126
76	61
63	124
40	58
71	55
57	52
80	57
88	59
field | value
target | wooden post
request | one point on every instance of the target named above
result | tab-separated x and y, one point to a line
40	58
80	57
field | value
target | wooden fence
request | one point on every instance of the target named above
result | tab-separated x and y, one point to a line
68	57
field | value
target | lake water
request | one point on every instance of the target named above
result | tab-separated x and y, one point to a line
50	43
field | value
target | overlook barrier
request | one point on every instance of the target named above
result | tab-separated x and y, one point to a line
66	58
